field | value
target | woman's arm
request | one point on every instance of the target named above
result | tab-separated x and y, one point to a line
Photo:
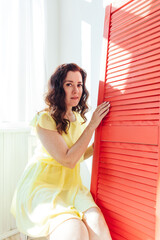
57	147
89	152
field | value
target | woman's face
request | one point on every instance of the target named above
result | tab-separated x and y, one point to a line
73	87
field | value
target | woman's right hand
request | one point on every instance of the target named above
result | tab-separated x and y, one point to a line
100	112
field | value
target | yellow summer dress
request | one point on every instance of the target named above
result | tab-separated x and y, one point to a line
48	193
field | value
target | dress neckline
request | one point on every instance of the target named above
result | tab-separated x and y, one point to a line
75	117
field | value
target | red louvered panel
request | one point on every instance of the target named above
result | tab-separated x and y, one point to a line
131	214
147	148
122	223
126	164
147	135
145	45
133	89
129	205
125	78
115	159
135	101
132	7
136	156
136	25
124	59
117	191
128	176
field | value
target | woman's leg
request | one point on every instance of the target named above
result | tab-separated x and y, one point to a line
73	229
96	225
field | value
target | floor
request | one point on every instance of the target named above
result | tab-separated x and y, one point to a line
22	237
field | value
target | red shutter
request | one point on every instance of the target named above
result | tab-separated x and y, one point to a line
126	163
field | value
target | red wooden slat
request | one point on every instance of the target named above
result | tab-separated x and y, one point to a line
131	89
133	117
122	223
128	146
138	49
127	232
131	21
116	236
123	96
134	107
127	79
128	176
137	69
122	192
134	112
134	64
133	156
129	161
107	182
105	193
121	85
129	170
123	232
133	55
138	24
129	75
131	8
151	35
129	49
130	58
126	102
149	156
133	123
143	63
114	206
148	135
128	208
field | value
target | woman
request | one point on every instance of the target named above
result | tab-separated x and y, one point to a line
50	199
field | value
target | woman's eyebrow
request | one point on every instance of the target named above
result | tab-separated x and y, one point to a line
68	81
71	81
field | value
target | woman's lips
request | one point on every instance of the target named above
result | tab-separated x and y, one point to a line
74	98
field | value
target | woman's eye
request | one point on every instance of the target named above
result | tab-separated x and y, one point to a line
68	84
80	85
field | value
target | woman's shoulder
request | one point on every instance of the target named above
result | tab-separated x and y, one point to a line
45	120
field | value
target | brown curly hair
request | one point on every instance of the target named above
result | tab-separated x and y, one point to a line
55	96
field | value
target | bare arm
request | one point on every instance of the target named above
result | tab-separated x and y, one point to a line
57	147
89	152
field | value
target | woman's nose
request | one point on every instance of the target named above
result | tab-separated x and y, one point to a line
75	89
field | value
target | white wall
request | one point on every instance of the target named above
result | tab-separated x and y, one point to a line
52	26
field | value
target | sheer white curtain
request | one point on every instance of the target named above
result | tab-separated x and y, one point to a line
22	59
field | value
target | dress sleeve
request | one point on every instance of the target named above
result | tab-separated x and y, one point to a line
44	120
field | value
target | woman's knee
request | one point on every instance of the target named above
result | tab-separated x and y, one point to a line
71	229
96	224
94	216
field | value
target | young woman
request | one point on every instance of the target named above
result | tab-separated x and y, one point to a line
50	199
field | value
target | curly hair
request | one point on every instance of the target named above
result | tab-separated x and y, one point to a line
55	96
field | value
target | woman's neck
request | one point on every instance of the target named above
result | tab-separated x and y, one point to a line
70	115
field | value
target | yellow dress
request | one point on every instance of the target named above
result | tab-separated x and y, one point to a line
48	193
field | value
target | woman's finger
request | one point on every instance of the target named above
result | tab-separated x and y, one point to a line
103	109
104	113
102	105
